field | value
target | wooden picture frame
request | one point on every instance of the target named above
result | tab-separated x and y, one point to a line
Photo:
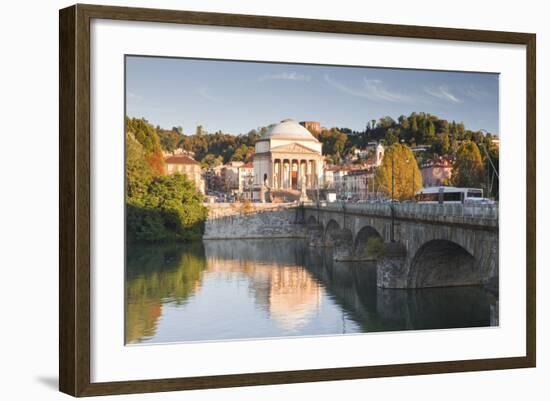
75	207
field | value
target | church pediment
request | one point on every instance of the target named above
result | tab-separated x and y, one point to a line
294	148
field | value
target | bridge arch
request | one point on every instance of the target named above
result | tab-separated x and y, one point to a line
364	235
444	263
331	230
340	240
311	221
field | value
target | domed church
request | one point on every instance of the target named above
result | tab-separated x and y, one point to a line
287	156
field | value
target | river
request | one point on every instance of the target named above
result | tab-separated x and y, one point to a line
243	289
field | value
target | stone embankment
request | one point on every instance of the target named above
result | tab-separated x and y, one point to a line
254	220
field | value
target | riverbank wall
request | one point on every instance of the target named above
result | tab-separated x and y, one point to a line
254	220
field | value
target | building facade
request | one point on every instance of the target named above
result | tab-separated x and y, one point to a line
230	176
287	157
246	180
186	165
437	172
359	183
311	126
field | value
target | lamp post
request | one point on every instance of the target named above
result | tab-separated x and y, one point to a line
250	185
392	235
413	183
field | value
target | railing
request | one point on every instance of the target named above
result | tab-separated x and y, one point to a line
415	210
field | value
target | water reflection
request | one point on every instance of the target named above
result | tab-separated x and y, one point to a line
267	288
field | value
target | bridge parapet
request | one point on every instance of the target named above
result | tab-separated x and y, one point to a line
485	214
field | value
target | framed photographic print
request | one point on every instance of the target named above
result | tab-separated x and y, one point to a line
250	200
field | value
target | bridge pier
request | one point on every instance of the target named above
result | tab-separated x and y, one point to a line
343	245
315	235
391	267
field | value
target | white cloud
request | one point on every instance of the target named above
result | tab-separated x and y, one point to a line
133	97
373	89
475	92
285	76
442	92
205	93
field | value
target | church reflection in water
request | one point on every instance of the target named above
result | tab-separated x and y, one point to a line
235	289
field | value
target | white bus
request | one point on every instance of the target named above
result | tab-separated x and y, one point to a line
449	195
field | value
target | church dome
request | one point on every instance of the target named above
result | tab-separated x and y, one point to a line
289	129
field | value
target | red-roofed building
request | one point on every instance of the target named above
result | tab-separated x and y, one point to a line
186	165
437	172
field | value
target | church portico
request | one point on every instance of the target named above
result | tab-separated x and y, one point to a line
289	173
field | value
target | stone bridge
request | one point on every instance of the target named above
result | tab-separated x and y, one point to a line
432	246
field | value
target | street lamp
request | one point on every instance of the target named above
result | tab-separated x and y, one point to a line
392	233
250	177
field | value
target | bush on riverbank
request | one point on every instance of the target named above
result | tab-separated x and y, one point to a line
169	208
376	247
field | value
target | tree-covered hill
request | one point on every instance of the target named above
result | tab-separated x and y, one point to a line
441	136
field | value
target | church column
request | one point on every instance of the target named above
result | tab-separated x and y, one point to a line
298	173
306	181
273	173
289	175
306	174
314	173
286	168
280	174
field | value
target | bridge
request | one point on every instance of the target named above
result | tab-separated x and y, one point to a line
430	245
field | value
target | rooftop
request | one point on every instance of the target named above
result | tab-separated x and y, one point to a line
180	159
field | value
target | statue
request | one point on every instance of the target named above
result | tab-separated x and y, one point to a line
262	193
303	193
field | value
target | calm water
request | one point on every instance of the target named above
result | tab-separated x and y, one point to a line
234	289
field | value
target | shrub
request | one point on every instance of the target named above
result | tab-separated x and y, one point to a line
376	247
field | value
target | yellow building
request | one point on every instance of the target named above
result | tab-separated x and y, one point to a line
187	166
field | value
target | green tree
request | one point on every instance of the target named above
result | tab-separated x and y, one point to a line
414	125
210	161
390	138
407	176
243	153
138	170
441	145
468	166
148	138
170	139
334	143
170	209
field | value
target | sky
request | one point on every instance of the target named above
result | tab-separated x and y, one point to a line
236	97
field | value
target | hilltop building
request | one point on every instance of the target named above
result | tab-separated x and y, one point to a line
311	126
